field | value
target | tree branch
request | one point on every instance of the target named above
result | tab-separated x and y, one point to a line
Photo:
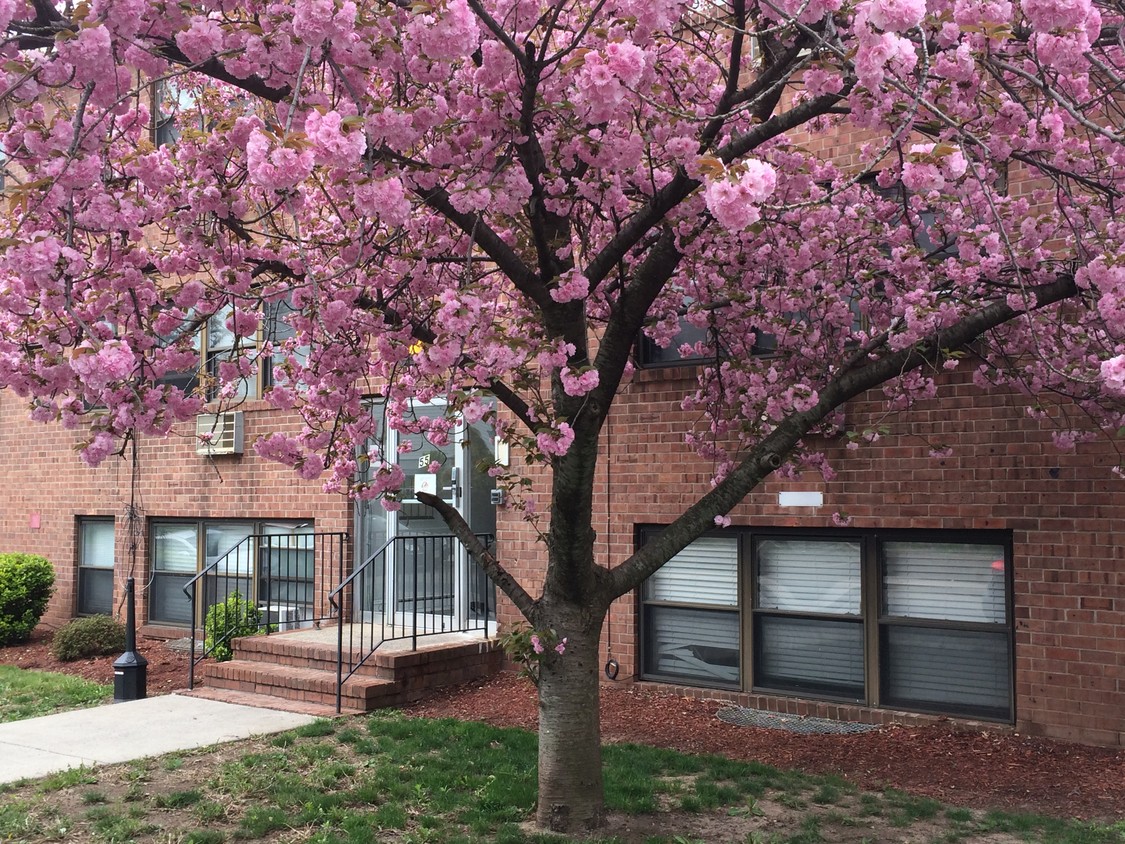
770	453
484	557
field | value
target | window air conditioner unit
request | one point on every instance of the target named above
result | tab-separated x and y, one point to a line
218	433
283	617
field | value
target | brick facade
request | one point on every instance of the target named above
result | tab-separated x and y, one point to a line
48	489
1065	513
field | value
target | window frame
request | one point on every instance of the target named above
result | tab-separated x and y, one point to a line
871	617
85	570
259	526
648	355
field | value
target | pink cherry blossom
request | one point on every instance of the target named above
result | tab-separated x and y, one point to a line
1113	374
894	15
334	144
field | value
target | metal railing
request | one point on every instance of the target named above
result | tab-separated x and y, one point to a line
265	583
413	586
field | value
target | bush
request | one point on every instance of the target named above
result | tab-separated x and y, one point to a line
96	635
26	583
226	621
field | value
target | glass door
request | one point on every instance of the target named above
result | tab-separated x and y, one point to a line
427	580
422	587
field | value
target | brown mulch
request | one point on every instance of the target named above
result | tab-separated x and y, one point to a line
994	769
167	669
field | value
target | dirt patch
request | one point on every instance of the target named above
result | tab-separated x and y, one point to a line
974	769
167	669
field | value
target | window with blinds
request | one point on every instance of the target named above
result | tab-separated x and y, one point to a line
944	631
95	567
910	619
808	628
690	616
279	559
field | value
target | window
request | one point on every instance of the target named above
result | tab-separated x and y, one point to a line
943	633
808	623
223	346
691	618
681	351
913	620
269	562
95	566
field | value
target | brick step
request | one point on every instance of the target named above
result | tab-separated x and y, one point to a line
279	650
301	707
300	684
390	662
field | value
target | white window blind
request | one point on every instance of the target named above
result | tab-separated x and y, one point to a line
97	544
226	543
706	572
947	669
694	644
799	575
175	549
805	653
955	582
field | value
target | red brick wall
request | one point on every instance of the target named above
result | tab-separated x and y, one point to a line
1065	511
45	480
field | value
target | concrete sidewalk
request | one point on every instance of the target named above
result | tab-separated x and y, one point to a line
135	729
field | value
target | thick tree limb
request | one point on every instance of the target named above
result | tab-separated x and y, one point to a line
771	451
485	558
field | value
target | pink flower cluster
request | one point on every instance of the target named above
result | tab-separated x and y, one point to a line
733	201
894	15
276	168
333	143
579	385
928	170
572	285
448	34
557	441
1113	374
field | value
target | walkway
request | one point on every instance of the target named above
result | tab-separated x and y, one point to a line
130	730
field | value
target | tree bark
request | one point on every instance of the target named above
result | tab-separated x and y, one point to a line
571	797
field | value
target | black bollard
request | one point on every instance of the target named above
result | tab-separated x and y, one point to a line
130	670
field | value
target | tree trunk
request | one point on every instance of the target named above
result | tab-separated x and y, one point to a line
571	797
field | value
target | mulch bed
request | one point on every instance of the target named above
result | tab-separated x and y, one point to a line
980	769
167	669
994	769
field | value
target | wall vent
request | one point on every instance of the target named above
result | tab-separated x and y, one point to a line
219	433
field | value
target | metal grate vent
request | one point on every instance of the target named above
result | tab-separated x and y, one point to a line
741	716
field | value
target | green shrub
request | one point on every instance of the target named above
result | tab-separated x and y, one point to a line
226	621
95	635
26	583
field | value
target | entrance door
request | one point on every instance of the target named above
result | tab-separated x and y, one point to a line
426	580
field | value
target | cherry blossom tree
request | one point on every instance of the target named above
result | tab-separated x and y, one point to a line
491	200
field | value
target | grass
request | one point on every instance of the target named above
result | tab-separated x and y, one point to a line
389	779
29	694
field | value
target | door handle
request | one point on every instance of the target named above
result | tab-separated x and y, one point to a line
454	485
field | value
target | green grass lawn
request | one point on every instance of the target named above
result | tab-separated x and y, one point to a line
389	778
28	694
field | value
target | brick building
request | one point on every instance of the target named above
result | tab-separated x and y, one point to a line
988	585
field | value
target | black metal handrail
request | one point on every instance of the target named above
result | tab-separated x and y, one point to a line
411	586
264	583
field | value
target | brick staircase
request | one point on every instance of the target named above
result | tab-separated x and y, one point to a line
296	672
